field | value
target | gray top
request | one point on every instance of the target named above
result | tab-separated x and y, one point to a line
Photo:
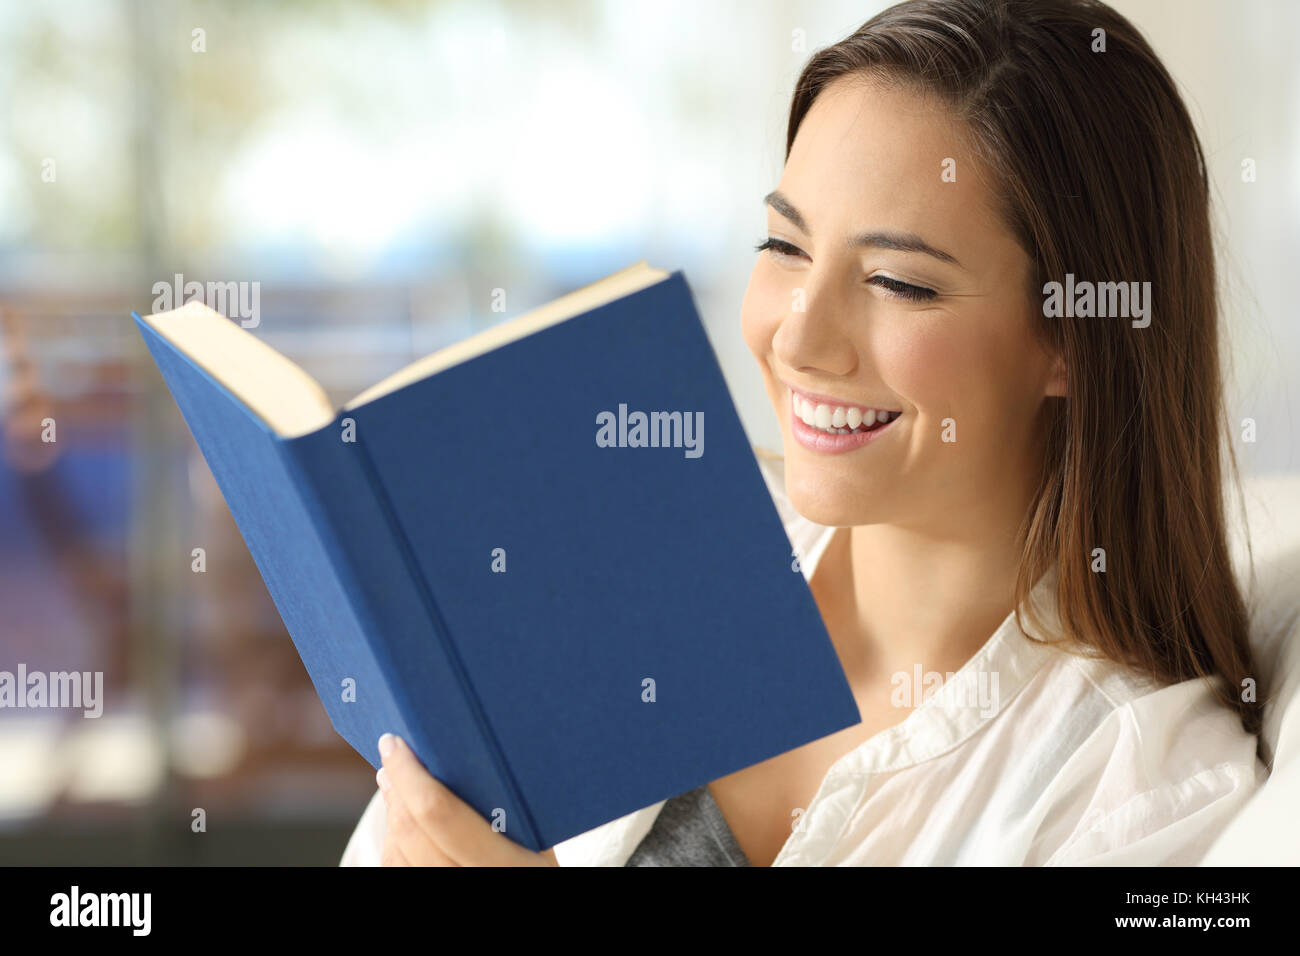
689	831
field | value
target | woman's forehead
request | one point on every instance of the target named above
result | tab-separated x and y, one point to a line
873	155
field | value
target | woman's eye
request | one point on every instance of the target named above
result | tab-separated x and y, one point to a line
895	287
779	246
904	290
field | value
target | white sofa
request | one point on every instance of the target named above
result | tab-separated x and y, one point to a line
1267	831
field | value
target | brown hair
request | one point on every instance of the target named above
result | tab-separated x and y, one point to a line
1102	175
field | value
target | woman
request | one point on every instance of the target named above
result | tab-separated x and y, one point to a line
985	315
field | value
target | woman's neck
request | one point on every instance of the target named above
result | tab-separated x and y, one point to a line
896	597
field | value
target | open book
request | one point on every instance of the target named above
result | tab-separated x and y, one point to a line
520	554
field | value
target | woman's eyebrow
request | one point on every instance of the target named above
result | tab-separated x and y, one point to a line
897	241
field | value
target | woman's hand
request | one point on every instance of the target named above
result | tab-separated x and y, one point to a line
428	825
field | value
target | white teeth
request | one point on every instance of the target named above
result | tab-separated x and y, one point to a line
839	419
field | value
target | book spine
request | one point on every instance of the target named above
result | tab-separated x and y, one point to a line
372	555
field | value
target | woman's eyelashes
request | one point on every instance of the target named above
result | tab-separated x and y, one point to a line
895	287
779	246
904	290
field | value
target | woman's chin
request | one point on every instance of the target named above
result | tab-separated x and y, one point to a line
824	503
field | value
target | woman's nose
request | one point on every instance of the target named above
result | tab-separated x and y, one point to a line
815	334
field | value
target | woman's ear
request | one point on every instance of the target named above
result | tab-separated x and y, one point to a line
1056	377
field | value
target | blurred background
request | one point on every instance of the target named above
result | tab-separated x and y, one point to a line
379	168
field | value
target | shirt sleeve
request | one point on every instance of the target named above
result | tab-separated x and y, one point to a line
1171	826
366	846
1165	774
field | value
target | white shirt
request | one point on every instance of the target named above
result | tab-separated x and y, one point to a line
1072	761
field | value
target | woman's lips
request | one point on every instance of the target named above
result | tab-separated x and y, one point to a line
832	427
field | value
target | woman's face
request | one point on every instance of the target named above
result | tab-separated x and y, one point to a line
895	288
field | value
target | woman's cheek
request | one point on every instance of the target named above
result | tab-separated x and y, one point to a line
765	305
922	364
753	327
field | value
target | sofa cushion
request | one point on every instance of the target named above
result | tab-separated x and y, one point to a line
1266	831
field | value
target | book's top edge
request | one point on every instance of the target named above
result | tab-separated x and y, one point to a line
292	404
618	285
274	388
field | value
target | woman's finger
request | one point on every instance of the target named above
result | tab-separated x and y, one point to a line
392	855
448	821
409	841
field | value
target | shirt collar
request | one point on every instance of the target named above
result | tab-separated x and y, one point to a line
974	696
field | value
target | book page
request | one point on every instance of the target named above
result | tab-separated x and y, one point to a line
289	400
612	287
292	403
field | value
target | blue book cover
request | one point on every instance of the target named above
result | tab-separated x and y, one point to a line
552	566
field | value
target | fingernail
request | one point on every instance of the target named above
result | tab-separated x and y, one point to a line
386	745
381	778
